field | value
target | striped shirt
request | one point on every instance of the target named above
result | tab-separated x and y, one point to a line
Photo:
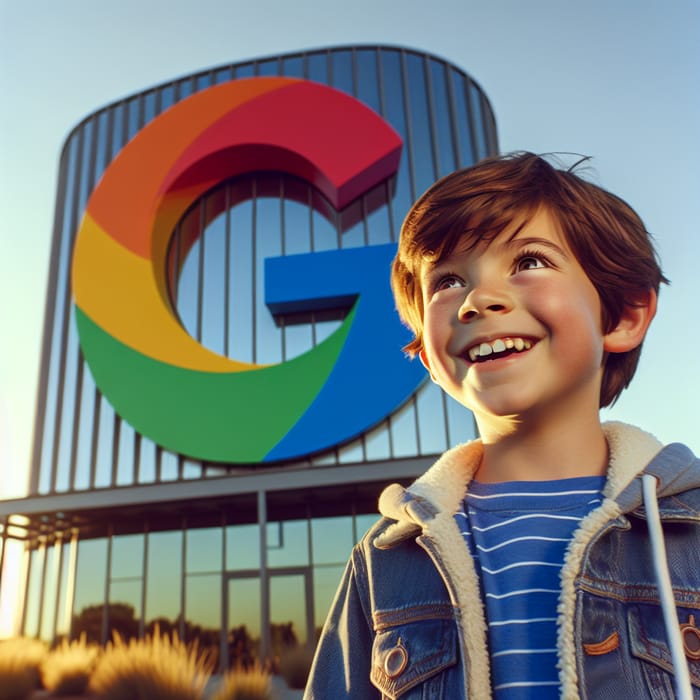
518	533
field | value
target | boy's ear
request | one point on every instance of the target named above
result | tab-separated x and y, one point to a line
633	324
424	361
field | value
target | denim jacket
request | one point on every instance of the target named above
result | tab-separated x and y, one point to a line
408	620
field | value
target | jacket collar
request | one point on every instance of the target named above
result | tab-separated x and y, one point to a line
442	488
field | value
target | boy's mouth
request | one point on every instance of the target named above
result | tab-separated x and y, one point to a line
501	347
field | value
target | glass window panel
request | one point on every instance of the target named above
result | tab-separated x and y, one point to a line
268	344
354	237
296	220
325	458
86	431
133	119
325	233
164	576
223	75
332	539
118	129
85	185
105	444
378	225
124	611
341	70
403	431
460	423
90	578
475	101
240	341
63	617
270	67
463	117
367	82
204	549
246	71
167	97
33	601
377	443
127	556
392	86
441	115
102	138
48	615
326	581
203	81
293	66
244	605
188	301
125	459
65	451
317	67
352	452
421	142
147	461
213	244
431	419
168	466
297	340
185	86
243	547
287	612
191	469
287	543
203	602
149	106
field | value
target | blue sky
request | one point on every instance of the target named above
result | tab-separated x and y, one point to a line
614	80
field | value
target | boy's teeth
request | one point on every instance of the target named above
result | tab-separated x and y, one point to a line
497	346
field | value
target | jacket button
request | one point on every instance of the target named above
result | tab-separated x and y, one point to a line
691	639
395	661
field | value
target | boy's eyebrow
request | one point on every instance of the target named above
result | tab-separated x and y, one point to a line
522	242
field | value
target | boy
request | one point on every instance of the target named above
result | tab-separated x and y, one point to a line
521	565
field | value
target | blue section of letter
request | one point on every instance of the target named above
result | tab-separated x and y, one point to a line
371	378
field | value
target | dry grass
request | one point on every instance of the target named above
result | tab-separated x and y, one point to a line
245	684
20	659
68	667
155	668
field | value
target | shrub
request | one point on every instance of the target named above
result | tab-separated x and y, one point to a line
294	666
67	668
245	684
159	667
20	659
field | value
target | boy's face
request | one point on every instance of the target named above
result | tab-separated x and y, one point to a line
512	328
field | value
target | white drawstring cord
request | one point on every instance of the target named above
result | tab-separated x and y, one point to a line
663	580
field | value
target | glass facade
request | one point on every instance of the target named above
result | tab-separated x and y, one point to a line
122	534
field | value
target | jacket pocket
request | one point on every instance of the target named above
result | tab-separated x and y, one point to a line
648	643
414	654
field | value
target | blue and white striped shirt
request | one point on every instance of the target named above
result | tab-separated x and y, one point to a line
518	533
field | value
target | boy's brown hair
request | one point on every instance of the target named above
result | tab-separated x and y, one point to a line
476	204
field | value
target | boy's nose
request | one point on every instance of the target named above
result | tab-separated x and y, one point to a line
482	301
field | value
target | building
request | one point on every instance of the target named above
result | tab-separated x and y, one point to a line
218	411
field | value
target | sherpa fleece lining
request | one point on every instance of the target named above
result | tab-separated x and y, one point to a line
444	486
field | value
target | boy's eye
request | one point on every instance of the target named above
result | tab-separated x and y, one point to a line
448	282
529	262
